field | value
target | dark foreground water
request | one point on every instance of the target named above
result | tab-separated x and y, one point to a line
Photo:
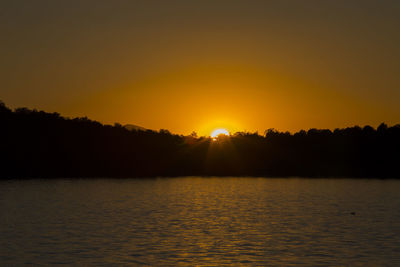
200	221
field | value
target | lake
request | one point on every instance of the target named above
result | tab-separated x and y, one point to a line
193	221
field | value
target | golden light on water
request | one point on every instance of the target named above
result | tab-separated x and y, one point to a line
218	132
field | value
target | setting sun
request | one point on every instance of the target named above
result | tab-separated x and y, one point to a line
244	128
218	132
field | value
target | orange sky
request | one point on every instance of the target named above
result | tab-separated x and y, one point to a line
198	65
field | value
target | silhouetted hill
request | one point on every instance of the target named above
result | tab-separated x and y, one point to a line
39	144
132	127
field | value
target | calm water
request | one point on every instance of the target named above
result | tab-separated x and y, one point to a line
200	221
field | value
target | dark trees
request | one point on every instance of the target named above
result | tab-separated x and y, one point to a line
39	144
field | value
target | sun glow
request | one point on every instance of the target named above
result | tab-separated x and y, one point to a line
218	132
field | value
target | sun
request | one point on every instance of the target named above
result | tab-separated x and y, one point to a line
218	132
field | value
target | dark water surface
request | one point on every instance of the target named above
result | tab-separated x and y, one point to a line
200	221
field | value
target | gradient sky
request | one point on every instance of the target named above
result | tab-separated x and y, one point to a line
197	65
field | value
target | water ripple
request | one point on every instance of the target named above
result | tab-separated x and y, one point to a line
200	222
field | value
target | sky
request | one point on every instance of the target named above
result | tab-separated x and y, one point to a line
199	65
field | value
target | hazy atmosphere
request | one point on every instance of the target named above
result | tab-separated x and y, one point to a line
196	65
200	133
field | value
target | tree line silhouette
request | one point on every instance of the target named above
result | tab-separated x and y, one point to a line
36	144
